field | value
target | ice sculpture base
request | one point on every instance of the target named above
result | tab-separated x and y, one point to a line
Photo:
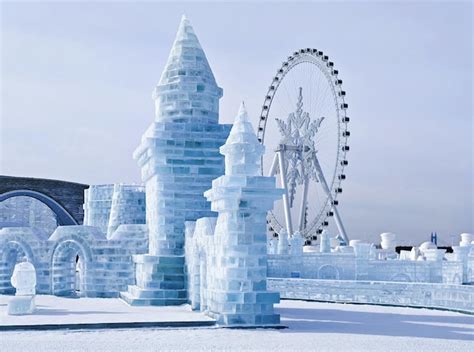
20	305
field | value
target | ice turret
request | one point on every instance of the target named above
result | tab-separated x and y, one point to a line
242	198
242	150
187	90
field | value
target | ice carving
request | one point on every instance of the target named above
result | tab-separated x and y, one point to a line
97	204
219	264
242	198
24	280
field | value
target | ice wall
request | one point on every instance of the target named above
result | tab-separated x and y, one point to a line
414	294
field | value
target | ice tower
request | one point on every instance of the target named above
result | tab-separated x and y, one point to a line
242	198
179	157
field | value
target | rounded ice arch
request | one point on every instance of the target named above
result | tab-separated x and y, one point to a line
17	244
20	242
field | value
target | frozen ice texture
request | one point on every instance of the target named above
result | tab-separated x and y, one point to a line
111	205
364	261
283	242
187	90
128	207
213	254
97	204
179	157
296	244
26	211
325	242
21	305
24	281
227	258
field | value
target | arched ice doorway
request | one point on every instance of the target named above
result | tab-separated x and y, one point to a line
328	272
13	252
69	269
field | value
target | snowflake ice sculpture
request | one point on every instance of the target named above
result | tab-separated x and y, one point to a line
298	145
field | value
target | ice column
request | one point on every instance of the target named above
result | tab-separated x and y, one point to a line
283	242
97	203
242	198
325	243
179	157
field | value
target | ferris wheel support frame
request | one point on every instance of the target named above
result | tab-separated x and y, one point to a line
279	164
337	218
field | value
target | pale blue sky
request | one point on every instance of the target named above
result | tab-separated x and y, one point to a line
77	81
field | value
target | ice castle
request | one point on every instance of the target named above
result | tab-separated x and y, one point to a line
132	243
195	230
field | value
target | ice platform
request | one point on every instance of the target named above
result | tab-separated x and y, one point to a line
54	313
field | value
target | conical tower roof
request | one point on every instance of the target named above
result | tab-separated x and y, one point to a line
187	88
242	149
242	130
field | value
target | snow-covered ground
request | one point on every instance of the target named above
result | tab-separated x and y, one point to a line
312	327
60	310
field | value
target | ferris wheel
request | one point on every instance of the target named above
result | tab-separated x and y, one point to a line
303	125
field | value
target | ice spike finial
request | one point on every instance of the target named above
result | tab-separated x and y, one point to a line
187	81
242	149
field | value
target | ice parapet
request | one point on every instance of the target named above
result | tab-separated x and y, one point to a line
364	261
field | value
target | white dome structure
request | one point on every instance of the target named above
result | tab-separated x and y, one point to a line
427	245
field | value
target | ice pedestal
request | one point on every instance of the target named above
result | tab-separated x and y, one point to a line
24	280
20	305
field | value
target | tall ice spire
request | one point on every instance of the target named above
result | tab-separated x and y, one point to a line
179	157
187	89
